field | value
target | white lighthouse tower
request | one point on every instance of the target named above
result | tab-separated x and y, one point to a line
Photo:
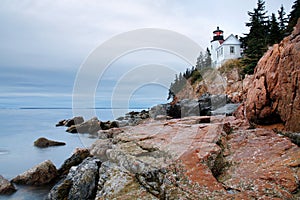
222	50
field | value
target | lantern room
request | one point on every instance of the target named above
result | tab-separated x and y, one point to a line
218	35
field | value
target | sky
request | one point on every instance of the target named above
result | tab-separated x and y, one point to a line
59	35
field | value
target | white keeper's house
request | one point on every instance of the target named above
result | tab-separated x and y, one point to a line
222	50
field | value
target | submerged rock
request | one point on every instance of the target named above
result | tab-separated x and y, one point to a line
6	187
44	142
40	174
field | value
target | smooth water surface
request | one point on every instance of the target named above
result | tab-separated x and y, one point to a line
19	129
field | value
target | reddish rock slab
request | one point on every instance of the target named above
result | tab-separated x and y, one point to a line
262	164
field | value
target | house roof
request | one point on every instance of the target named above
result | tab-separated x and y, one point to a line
231	40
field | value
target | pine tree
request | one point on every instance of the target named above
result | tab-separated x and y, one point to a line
274	36
207	58
255	42
200	61
293	16
282	20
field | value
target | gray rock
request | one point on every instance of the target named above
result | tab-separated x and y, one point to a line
189	107
44	142
227	109
5	186
110	133
132	118
80	182
78	156
117	183
90	126
218	101
74	121
100	147
70	122
40	174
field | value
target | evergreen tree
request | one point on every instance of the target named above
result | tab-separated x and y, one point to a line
293	16
207	61
282	21
274	36
200	61
203	61
255	42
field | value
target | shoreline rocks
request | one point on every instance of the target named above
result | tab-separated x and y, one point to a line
6	187
77	157
197	157
93	125
80	183
44	142
206	105
40	174
70	122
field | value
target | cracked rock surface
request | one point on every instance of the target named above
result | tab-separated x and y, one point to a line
274	94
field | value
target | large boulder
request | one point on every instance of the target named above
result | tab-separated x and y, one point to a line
40	174
116	183
5	186
78	156
274	95
44	142
80	182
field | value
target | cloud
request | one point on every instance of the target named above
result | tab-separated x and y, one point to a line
62	33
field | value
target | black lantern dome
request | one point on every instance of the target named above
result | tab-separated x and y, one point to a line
218	35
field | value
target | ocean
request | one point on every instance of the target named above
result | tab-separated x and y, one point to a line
33	100
20	127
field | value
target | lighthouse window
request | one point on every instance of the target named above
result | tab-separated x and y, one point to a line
232	49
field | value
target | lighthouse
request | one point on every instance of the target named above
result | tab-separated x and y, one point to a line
222	50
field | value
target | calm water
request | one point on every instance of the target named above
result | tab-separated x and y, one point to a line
20	128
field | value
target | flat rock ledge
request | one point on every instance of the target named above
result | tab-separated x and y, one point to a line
187	158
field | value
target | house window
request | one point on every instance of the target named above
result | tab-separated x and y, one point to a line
232	49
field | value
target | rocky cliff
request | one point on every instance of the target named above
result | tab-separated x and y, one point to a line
226	80
274	95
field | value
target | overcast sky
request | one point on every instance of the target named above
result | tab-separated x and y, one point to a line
43	43
61	33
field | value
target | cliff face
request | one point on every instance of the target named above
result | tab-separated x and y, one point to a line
216	82
274	94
